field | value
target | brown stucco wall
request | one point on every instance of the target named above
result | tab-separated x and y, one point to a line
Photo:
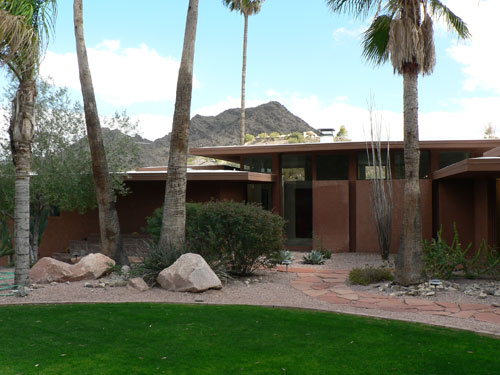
145	197
331	214
366	232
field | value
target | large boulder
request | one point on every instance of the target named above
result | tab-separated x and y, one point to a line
47	270
189	273
92	266
138	283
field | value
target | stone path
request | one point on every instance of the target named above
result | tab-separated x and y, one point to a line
330	286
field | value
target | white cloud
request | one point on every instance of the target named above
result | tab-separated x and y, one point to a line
340	33
121	76
480	54
153	126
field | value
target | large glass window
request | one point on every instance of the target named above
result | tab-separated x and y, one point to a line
261	194
399	165
451	157
262	164
296	172
367	171
332	167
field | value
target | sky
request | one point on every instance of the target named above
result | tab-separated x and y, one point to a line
299	53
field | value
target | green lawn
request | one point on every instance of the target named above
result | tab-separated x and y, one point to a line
178	339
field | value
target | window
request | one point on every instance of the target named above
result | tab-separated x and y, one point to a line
332	167
365	170
399	165
451	157
262	164
296	167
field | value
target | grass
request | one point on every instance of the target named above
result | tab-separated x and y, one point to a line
193	339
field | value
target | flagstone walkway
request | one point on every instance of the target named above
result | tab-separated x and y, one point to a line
330	286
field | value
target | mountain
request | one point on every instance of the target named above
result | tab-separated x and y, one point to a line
224	130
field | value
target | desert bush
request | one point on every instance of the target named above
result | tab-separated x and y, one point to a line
442	260
157	259
235	236
369	275
274	134
327	253
249	138
263	135
296	137
314	257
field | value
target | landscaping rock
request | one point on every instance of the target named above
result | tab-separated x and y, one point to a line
189	273
48	270
138	283
92	267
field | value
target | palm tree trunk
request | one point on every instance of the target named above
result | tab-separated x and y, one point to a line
21	130
243	78
174	214
409	265
109	226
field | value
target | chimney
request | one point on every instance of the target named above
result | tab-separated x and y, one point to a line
326	135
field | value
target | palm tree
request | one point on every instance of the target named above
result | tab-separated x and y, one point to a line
402	31
25	27
109	226
174	214
247	8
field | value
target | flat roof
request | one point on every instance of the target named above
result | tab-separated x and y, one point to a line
233	153
202	175
472	167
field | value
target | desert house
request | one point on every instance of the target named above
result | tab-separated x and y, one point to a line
323	190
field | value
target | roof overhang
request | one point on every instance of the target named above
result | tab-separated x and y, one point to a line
203	175
470	168
233	153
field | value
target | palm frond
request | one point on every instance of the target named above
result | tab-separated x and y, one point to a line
358	8
16	36
248	7
454	22
376	39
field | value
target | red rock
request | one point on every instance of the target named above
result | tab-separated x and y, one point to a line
464	314
333	298
418	302
315	293
488	317
474	306
48	270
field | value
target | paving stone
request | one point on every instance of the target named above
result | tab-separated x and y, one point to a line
497	311
453	309
447	305
464	314
394	304
315	293
369	295
362	305
343	290
320	286
443	313
371	301
352	297
418	302
433	307
329	280
311	279
333	298
488	317
325	273
474	306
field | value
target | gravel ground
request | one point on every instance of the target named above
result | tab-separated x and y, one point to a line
267	288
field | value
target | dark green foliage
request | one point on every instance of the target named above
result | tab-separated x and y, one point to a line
157	259
369	275
151	338
442	260
314	257
6	247
240	237
327	253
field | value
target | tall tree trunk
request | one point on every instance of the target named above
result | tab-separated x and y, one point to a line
111	241
243	78
173	228
409	264
21	130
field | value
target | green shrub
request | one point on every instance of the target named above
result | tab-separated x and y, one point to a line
6	247
441	259
249	138
236	236
274	135
369	275
263	135
284	255
314	257
296	137
157	259
327	253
